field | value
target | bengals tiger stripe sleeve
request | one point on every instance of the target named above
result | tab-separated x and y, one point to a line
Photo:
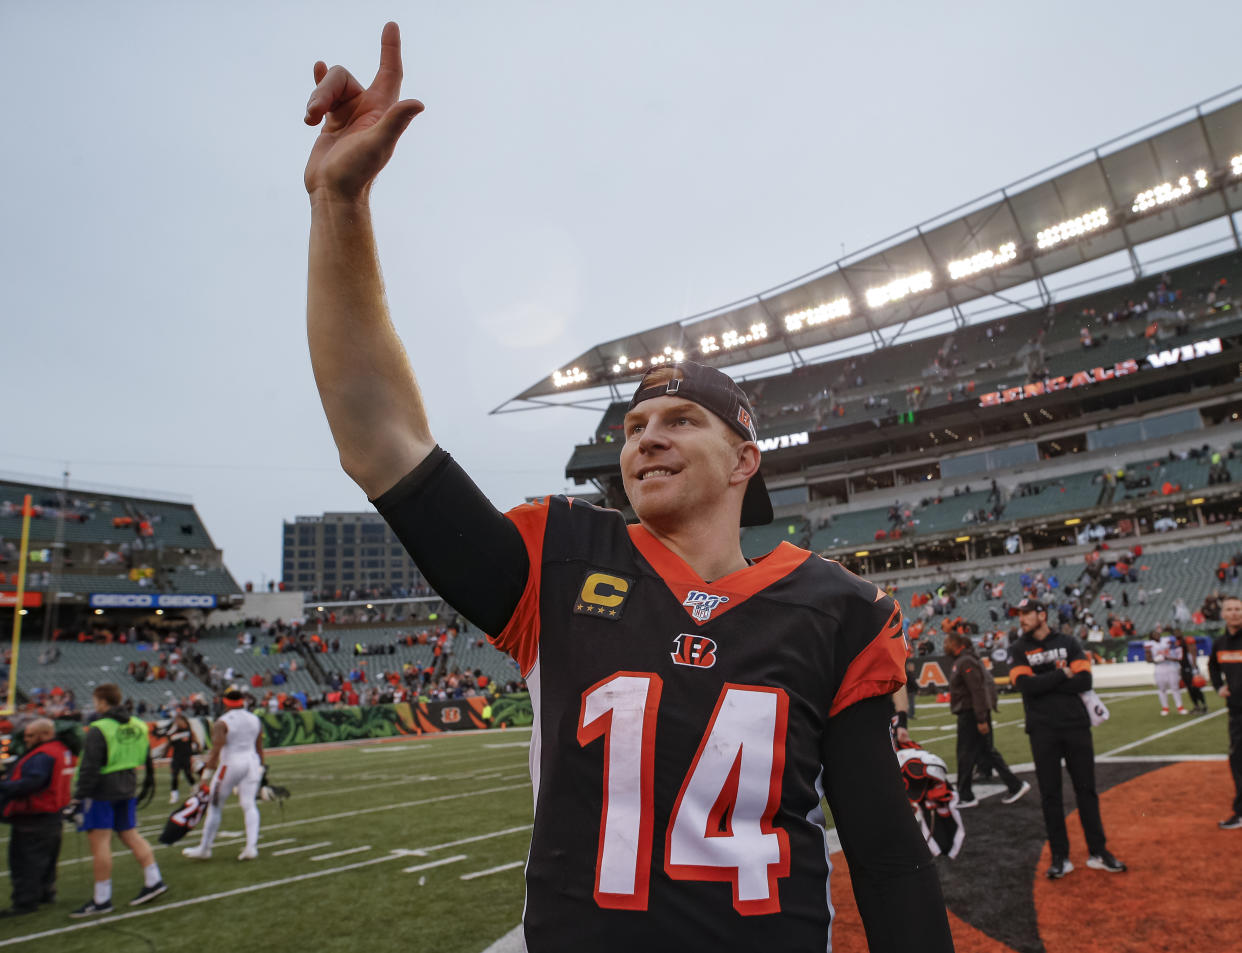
872	633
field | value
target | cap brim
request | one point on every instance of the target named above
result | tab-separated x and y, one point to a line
756	504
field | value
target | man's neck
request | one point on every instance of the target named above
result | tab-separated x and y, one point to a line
712	550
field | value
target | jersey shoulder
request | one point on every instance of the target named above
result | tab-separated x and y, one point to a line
839	590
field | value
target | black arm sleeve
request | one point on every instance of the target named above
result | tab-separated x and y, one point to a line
465	548
895	880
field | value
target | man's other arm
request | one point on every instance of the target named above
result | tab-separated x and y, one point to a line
893	873
366	385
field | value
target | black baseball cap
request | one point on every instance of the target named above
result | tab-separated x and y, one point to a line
1031	605
717	392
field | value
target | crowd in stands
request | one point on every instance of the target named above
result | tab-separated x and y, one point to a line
178	652
932	612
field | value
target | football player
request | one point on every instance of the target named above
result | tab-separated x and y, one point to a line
692	708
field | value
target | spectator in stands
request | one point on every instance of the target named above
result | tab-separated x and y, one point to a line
1181	612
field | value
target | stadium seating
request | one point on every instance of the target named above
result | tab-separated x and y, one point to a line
1066	494
760	540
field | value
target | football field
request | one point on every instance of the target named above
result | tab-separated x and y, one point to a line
419	843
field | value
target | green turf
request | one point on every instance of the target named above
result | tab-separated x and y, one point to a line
419	795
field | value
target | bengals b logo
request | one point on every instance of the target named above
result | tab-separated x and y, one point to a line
450	716
696	650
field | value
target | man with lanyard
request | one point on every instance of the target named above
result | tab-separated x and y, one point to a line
33	796
691	708
1050	669
236	757
1225	671
107	786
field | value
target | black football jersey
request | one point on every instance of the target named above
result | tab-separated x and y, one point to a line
676	755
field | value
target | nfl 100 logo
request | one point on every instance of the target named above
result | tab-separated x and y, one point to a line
702	604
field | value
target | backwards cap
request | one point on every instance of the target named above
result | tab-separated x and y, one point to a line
717	392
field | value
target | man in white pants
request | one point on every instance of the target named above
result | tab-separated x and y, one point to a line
1166	652
237	758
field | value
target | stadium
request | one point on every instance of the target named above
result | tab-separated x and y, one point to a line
1034	394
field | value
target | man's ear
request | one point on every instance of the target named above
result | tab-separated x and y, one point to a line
747	463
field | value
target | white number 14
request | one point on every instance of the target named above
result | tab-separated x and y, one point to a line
721	824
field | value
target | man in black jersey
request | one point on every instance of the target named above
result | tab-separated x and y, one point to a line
1051	670
691	708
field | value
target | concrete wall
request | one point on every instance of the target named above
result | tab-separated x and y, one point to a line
261	605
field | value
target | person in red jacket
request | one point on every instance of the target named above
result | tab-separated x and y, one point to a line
36	791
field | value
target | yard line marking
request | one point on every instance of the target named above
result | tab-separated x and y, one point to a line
341	853
1141	758
1167	731
344	814
510	777
509	744
389	807
479	837
275	843
433	863
294	850
164	907
386	748
492	870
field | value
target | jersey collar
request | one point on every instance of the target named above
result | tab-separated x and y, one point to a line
736	587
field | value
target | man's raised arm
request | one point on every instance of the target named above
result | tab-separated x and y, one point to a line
365	382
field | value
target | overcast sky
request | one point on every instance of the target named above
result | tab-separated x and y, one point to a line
583	170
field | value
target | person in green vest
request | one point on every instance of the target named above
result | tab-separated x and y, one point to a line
105	793
487	714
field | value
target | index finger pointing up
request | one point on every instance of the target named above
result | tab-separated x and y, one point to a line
388	76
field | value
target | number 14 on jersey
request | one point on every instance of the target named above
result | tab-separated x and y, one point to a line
721	824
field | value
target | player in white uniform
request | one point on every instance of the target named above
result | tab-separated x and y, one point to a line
237	758
1166	652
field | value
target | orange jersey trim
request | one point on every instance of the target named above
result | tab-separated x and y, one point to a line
1229	655
1080	665
520	638
1018	671
737	586
879	669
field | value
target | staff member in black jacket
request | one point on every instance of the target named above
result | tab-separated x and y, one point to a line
1225	670
1050	669
972	701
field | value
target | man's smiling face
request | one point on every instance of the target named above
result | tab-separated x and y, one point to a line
677	459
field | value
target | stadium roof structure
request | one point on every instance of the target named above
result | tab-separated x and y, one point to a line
1173	174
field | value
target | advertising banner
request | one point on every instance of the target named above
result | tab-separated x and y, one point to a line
151	600
30	600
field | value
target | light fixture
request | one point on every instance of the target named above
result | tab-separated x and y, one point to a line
820	314
574	375
898	288
1072	228
983	261
1167	192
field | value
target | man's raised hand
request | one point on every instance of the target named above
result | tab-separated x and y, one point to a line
362	125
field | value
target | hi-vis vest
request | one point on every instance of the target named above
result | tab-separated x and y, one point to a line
127	743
